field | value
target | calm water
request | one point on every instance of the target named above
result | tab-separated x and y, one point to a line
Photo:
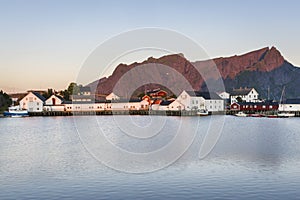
47	158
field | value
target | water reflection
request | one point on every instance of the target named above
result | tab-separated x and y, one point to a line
254	158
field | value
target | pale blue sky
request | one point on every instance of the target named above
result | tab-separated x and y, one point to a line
44	43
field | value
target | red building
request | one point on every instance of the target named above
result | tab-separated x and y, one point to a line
254	106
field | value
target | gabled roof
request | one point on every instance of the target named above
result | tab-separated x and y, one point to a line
38	95
292	101
241	91
205	95
57	96
165	103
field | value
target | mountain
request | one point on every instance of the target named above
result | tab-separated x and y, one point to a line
265	69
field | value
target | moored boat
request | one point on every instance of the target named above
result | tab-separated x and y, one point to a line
241	114
285	114
202	112
14	111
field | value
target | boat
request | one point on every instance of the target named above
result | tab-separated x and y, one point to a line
241	114
15	111
202	112
285	114
256	115
272	116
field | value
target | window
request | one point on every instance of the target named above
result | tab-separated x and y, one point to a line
196	101
37	108
37	103
192	101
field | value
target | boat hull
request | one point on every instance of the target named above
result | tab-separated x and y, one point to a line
16	114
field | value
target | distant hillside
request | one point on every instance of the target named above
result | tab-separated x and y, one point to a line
264	68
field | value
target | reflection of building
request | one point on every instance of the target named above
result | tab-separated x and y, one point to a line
245	94
33	102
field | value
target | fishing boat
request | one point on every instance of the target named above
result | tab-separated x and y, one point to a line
283	113
15	111
202	112
241	114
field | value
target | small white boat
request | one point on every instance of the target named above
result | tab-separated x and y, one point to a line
14	111
202	112
241	114
285	114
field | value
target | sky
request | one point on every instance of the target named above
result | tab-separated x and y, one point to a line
44	43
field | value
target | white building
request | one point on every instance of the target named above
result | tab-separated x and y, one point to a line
84	95
112	96
54	103
290	105
224	95
32	102
246	94
193	100
131	104
54	100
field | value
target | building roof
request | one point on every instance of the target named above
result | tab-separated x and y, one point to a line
85	89
241	91
41	97
60	97
205	95
292	101
165	103
126	100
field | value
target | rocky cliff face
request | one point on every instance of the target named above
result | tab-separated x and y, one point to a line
262	68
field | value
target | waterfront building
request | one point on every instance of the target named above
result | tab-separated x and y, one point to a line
255	106
245	94
32	102
290	105
83	95
112	96
54	103
195	100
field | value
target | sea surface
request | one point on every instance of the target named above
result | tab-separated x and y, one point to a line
58	158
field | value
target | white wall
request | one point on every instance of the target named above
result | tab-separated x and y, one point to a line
252	96
214	105
289	107
49	101
31	103
112	96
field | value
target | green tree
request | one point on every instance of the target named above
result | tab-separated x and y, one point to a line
5	101
73	89
239	99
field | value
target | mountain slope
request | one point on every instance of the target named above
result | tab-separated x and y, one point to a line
264	68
